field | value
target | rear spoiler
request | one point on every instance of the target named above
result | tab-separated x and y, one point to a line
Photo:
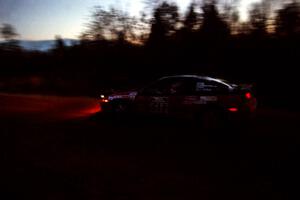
245	87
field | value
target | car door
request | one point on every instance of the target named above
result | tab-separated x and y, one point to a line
211	92
194	96
182	97
154	99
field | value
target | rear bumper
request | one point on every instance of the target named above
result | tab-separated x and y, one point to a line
241	116
245	111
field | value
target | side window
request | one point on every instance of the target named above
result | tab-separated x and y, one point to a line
183	86
207	87
171	86
157	88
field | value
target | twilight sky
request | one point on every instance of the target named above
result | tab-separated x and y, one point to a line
43	19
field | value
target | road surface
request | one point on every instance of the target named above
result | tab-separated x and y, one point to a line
46	108
55	148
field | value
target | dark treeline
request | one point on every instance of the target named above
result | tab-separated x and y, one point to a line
117	50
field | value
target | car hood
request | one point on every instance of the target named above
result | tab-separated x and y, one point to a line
129	95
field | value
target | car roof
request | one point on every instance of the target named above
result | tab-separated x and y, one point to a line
199	77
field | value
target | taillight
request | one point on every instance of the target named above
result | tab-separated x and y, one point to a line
233	109
248	95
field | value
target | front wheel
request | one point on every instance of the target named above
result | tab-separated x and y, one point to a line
119	108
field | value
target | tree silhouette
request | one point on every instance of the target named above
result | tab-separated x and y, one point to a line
152	4
8	32
230	14
288	20
190	25
191	21
213	26
59	42
110	25
258	19
164	23
59	46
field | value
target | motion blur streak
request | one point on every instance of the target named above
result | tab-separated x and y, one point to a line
44	108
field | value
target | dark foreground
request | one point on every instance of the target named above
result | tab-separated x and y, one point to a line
56	148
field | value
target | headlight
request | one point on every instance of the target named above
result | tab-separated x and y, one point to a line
103	98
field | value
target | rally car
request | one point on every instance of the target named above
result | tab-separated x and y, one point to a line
199	97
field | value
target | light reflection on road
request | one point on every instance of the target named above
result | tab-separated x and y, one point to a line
38	107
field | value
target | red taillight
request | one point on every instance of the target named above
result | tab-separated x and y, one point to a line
233	109
248	95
